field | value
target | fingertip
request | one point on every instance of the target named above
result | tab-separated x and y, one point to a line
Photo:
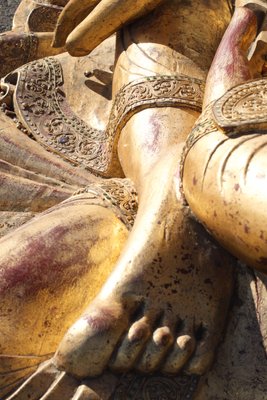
74	48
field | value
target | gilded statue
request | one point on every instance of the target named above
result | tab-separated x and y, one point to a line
132	194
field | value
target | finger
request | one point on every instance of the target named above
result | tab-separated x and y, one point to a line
73	13
62	388
106	18
85	393
37	384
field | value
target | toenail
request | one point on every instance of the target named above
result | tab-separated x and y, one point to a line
185	342
162	336
138	333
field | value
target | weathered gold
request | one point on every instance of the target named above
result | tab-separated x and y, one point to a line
31	35
240	115
114	287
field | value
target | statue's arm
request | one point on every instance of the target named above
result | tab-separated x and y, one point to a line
84	24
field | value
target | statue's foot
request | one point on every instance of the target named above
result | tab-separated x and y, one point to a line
167	315
165	305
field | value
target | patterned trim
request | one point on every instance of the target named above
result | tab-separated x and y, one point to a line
204	125
151	92
42	109
243	109
155	91
117	194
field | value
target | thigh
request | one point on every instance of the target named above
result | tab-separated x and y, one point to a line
50	268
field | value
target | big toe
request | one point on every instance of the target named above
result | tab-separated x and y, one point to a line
88	345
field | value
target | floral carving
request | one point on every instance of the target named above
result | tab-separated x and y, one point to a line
45	113
118	194
243	108
164	91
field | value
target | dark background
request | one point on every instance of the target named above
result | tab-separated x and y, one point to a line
7	10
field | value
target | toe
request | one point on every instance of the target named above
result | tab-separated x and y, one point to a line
204	354
183	348
62	388
131	346
156	350
85	393
88	345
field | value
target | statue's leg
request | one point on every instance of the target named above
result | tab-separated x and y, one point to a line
166	300
51	267
164	306
225	177
168	297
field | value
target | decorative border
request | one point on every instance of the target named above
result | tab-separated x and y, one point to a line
41	107
243	108
117	194
155	91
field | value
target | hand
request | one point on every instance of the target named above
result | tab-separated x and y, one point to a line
84	24
50	383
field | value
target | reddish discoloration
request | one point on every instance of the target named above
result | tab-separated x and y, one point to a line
103	318
40	266
230	66
153	138
236	65
26	153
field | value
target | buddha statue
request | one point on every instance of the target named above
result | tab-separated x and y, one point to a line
126	263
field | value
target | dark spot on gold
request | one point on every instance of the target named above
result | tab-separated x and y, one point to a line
246	229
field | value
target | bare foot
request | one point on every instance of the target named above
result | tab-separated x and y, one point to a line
165	304
163	308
